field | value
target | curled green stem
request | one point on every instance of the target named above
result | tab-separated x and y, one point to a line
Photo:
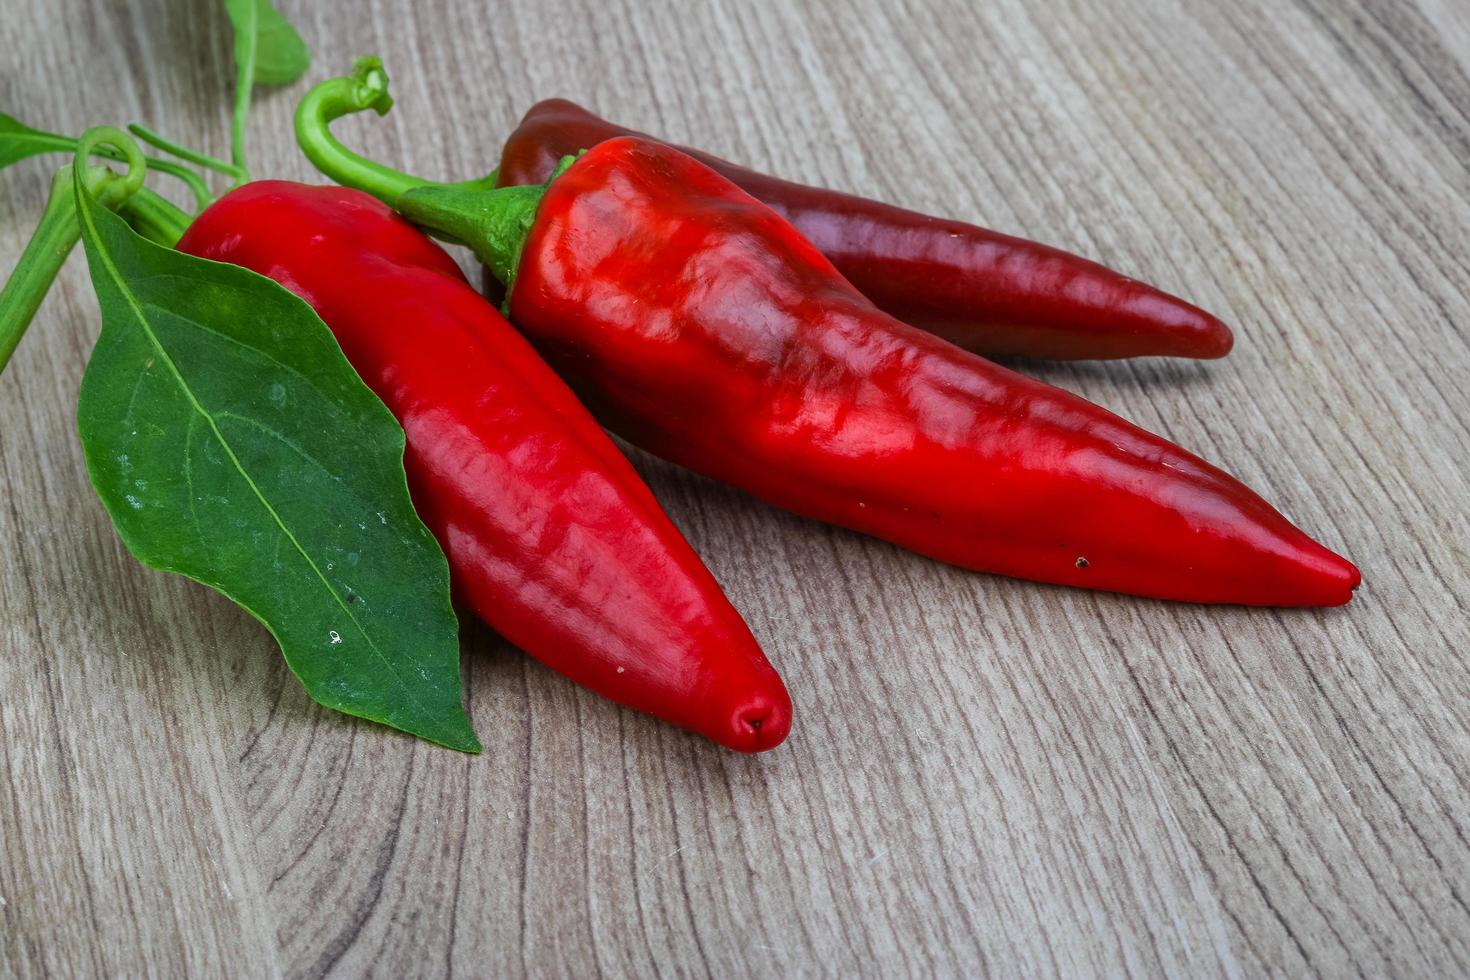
493	222
58	143
152	216
58	230
366	88
110	193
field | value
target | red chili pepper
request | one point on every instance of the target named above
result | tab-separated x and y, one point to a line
552	537
982	290
700	325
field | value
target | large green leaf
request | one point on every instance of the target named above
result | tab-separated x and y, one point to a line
267	43
230	441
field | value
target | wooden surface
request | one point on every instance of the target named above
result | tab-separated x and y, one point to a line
986	776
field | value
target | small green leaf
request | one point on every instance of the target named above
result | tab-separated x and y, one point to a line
267	42
267	51
231	442
18	141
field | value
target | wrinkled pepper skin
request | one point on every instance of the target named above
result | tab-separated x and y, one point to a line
700	325
984	291
551	535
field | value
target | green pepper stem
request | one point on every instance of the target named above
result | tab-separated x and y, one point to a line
42	259
494	222
58	231
236	174
67	144
365	88
155	217
189	178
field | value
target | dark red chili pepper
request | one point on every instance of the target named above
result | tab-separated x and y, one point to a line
551	535
982	290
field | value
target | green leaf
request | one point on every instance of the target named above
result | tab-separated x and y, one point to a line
268	51
18	141
267	42
231	442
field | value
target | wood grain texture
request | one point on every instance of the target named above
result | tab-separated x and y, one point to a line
987	776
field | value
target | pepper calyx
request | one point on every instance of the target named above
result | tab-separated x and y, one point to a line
493	224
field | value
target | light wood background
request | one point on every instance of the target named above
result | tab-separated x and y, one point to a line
986	776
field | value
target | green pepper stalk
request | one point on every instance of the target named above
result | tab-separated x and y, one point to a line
492	221
59	230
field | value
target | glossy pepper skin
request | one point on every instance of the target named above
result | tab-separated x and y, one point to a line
700	325
551	535
976	288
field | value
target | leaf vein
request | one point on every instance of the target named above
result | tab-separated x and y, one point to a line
288	368
283	439
189	477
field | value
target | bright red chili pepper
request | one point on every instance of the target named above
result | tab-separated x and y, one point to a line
700	325
977	288
551	535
